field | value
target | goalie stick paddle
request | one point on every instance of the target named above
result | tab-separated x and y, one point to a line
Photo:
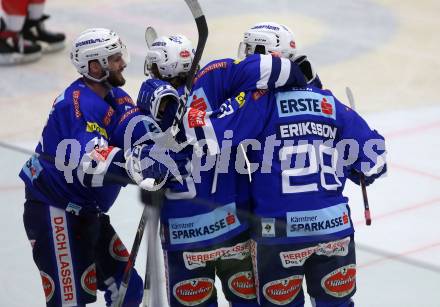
361	176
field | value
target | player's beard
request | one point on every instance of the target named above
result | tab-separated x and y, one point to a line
115	79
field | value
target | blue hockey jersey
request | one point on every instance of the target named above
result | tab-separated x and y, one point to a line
208	207
78	145
302	144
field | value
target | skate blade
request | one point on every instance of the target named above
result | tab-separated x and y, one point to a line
51	48
18	58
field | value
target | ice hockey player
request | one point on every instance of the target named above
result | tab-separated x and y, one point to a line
203	230
75	176
278	40
23	36
304	144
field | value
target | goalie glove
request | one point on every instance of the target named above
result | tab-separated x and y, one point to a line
307	69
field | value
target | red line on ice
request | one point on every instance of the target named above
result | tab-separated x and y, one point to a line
391	257
412	130
414	171
416	206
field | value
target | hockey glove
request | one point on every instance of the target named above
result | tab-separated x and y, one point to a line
143	170
307	69
153	97
355	176
150	166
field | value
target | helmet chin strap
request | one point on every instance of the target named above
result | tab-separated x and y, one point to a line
102	79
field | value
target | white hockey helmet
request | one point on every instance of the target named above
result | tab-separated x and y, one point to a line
172	55
268	37
96	44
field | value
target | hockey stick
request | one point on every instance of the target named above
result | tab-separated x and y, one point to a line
132	258
153	296
150	36
361	175
146	200
202	29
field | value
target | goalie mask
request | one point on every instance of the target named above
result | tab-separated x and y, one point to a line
96	44
268	37
169	57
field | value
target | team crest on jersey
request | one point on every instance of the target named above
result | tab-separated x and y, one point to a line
283	291
242	285
305	103
88	280
48	285
117	249
193	292
340	282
